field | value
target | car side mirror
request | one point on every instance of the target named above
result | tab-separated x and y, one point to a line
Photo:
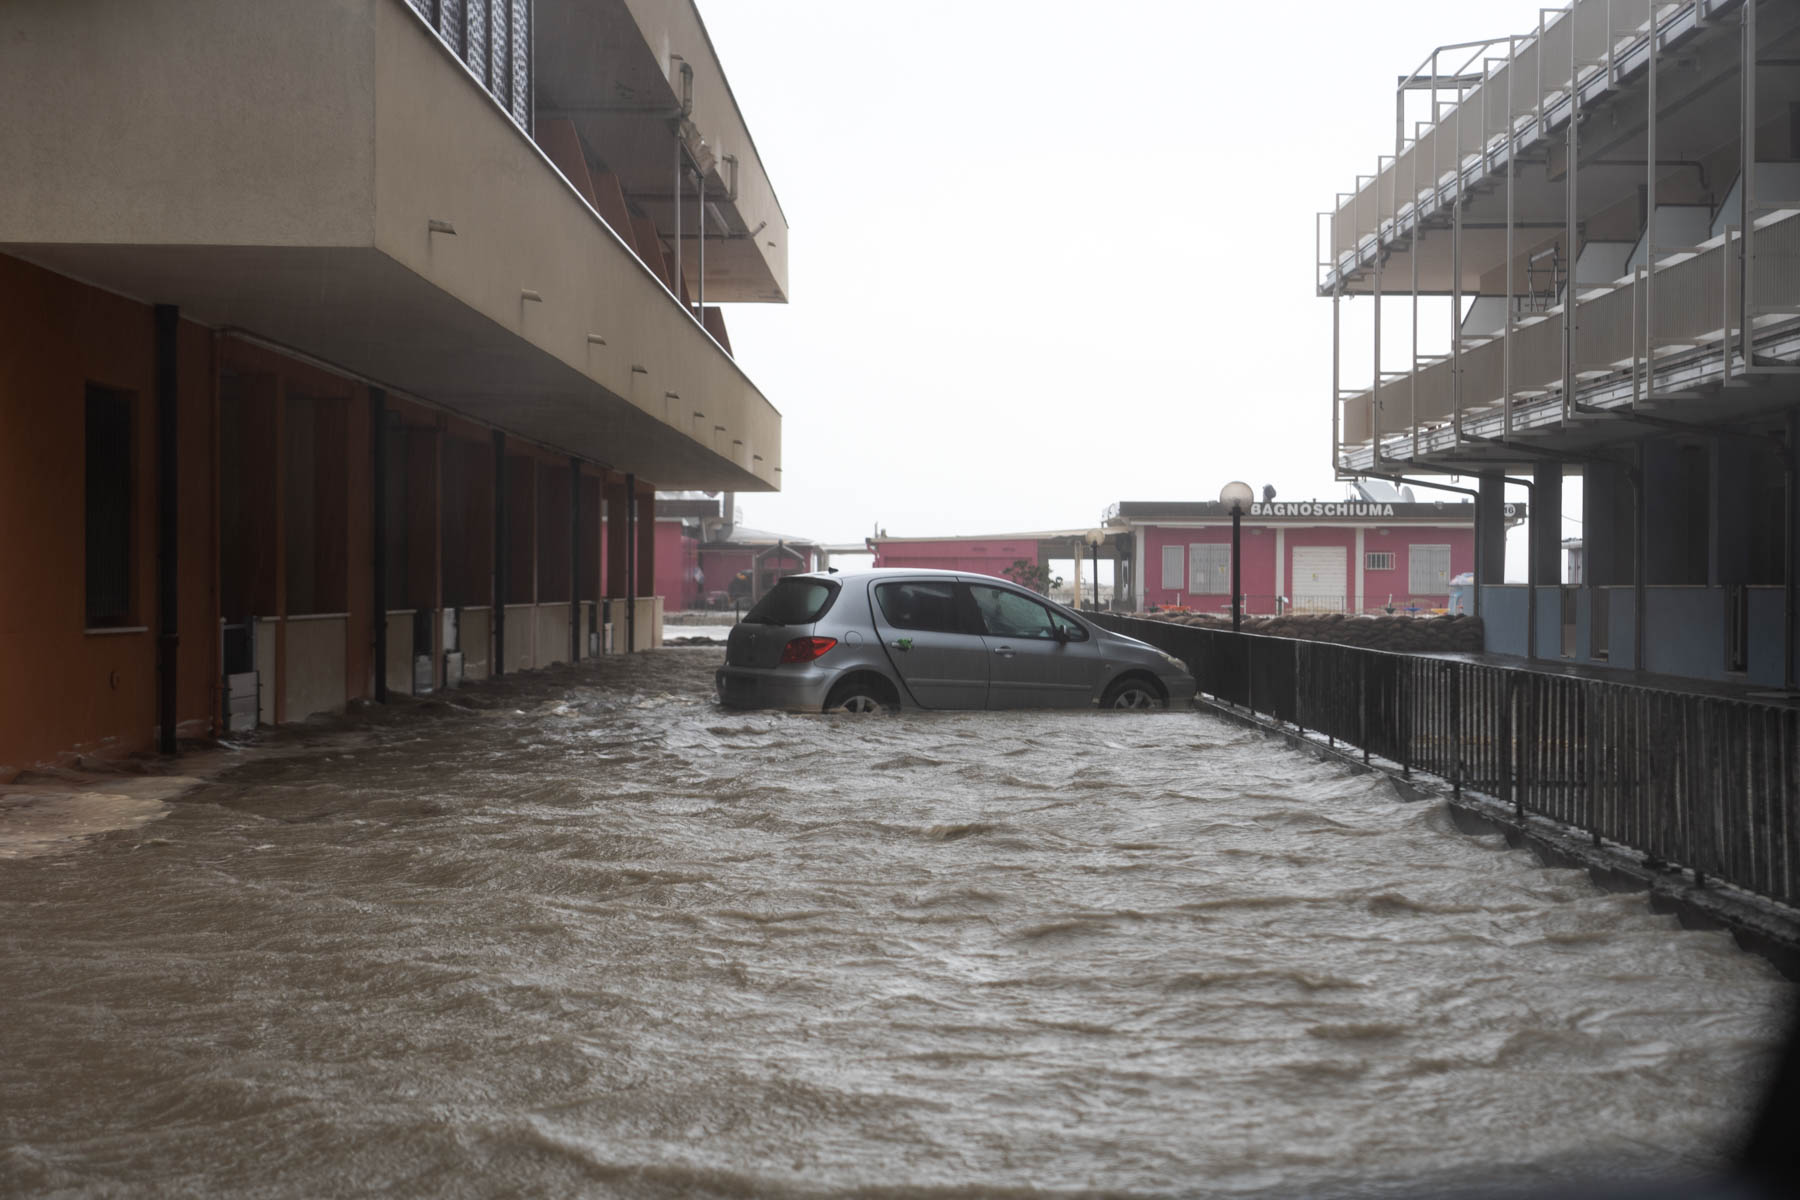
1060	634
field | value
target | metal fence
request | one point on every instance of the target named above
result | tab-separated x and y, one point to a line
1709	783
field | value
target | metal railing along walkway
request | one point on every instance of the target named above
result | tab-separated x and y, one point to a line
1705	782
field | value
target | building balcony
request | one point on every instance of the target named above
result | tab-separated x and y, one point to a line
1607	207
333	180
1647	341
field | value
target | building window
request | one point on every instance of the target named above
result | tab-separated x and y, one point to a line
1209	569
1428	568
1379	560
108	507
1173	574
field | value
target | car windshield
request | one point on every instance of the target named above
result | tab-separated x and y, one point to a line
793	602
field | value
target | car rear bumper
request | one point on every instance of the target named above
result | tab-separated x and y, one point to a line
792	687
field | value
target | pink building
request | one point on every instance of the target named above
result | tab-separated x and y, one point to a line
705	562
984	555
1304	556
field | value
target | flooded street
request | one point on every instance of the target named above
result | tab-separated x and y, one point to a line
583	933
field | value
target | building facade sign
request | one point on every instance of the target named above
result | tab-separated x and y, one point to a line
1322	508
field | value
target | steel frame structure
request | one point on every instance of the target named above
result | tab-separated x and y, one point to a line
1764	339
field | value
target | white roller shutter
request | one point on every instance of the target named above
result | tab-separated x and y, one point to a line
1320	578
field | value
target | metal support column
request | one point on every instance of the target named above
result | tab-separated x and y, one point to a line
1337	391
378	492
574	559
700	237
1456	317
1512	169
1747	192
679	154
1790	526
631	563
168	522
1531	567
498	667
1490	533
1649	288
1412	380
1237	569
1640	536
1375	387
1571	219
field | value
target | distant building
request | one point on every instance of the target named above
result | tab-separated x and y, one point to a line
1608	205
997	553
748	562
1349	556
985	554
713	562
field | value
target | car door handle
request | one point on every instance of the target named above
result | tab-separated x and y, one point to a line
1004	651
901	643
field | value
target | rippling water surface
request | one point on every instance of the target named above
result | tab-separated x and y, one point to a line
583	933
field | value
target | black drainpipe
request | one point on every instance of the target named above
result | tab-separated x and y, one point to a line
498	667
168	526
378	444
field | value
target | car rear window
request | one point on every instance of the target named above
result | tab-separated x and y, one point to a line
793	602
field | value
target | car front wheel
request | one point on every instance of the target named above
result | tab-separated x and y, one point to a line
1132	693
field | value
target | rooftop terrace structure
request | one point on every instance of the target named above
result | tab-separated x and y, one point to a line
1610	205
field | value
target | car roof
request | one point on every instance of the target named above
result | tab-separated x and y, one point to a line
898	573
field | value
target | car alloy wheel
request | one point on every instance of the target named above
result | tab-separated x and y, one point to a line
1132	695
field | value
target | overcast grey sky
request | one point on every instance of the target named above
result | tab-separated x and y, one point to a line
1049	255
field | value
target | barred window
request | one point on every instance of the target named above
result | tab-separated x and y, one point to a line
1379	560
1172	574
1209	569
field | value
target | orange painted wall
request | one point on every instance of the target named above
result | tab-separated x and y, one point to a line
63	690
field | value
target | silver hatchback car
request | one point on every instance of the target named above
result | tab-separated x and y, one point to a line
886	639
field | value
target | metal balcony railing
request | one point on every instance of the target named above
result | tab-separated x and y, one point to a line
1689	302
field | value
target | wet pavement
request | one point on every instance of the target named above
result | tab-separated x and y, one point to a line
583	933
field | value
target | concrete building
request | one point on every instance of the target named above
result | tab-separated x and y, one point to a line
761	557
343	346
705	561
1605	212
1351	556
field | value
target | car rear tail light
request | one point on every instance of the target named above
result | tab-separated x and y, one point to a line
802	650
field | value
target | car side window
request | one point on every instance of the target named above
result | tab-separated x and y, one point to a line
1069	626
1008	614
926	605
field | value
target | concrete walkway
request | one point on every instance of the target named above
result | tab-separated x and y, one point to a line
1750	692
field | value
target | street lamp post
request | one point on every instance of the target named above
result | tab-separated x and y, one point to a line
1237	498
1094	538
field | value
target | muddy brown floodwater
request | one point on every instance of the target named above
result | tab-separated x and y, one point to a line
582	933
